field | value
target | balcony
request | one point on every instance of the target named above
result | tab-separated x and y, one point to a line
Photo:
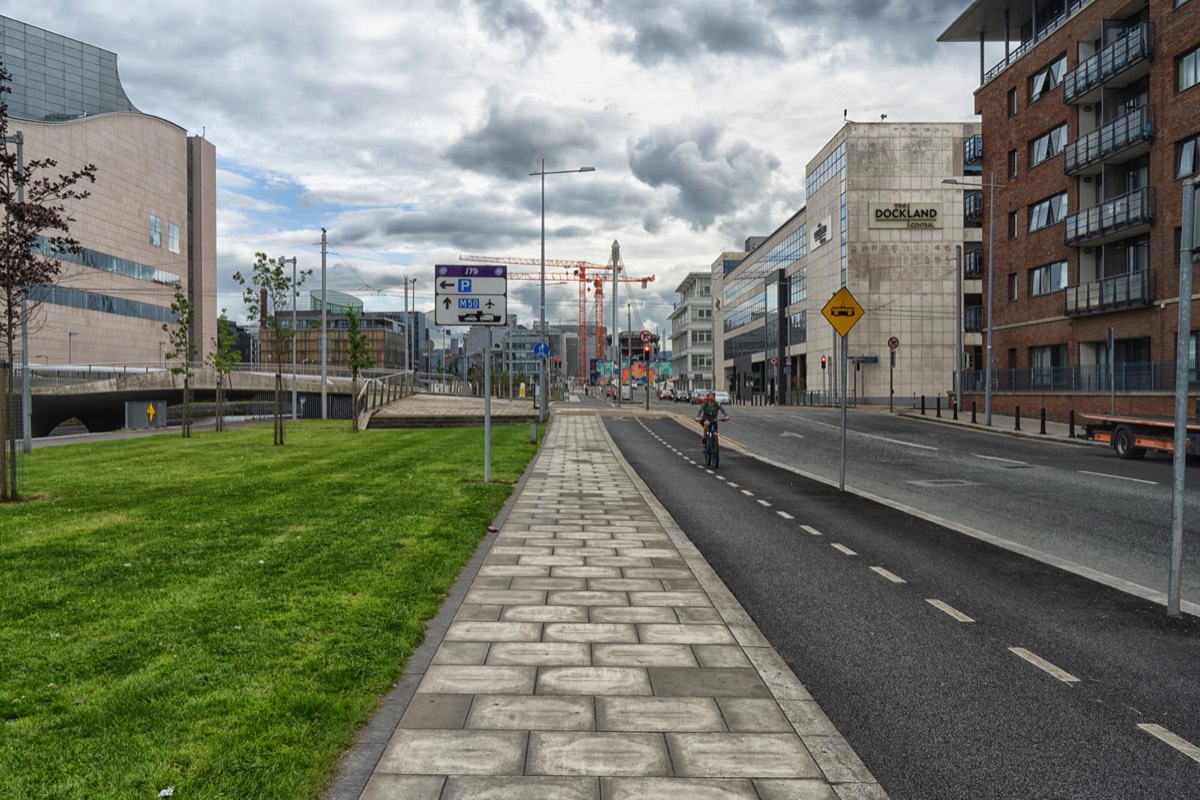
973	319
973	206
973	262
973	150
1110	294
1135	48
1121	136
1112	219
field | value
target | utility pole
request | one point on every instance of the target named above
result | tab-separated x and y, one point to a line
324	340
613	354
295	332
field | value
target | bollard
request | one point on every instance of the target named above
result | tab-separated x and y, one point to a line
1018	411
1071	423
1043	429
973	420
922	405
938	411
533	433
954	406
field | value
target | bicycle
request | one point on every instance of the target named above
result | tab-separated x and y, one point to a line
712	445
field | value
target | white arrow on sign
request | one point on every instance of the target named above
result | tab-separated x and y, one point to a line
450	286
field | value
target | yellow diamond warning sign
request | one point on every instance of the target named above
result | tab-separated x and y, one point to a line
842	311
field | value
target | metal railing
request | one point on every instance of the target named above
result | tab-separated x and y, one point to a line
973	319
1136	45
973	205
1027	44
1122	133
1111	216
973	264
1154	376
1108	294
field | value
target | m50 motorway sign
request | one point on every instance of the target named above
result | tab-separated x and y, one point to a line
470	295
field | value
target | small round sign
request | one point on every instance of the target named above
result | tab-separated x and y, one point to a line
647	336
774	361
893	342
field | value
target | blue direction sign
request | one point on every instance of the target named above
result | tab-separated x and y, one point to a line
541	350
470	295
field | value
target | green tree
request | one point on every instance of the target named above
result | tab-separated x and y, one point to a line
223	358
35	232
268	276
360	357
183	350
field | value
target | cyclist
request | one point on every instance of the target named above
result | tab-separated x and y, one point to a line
709	410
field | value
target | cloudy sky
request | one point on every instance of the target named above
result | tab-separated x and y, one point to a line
408	128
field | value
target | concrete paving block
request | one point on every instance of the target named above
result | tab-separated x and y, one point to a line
519	550
593	681
491	582
685	634
561	584
532	713
466	787
740	755
705	682
452	679
403	787
461	653
658	714
552	561
470	612
588	599
860	791
429	752
620	561
657	572
585	572
589	632
777	674
505	597
749	636
472	631
839	763
799	789
538	654
807	718
513	570
544	614
682	585
599	754
676	789
660	614
754	715
643	655
721	655
625	585
698	615
589	552
442	711
662	598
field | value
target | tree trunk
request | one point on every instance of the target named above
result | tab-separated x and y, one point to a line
187	406
278	408
220	421
4	469
354	403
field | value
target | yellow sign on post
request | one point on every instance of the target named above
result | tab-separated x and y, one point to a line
842	311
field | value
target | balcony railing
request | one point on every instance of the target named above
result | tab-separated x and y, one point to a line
1135	46
1110	294
973	205
1028	44
973	150
1153	376
973	262
973	319
1110	217
1117	136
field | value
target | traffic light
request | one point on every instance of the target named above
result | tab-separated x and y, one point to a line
858	365
822	362
646	350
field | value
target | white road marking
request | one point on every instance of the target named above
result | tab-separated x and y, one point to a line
764	503
1005	460
842	548
949	609
1118	477
1182	745
789	433
897	441
891	576
1043	664
734	485
722	478
785	515
811	530
746	492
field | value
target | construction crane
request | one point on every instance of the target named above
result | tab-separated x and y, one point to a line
567	270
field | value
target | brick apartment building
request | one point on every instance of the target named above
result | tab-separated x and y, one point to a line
1091	128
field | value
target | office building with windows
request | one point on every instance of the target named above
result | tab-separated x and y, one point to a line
879	221
149	226
1092	128
691	323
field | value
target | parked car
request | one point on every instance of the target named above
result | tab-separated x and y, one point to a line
723	398
666	393
683	396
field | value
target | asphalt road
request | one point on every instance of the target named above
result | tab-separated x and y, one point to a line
1039	695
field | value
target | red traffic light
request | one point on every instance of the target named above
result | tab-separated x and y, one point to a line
822	362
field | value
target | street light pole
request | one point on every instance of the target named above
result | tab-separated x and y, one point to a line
295	332
543	382
71	336
991	186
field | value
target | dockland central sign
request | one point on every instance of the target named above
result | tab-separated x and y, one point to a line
905	215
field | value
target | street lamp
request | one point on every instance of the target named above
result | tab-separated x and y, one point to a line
991	186
545	338
70	337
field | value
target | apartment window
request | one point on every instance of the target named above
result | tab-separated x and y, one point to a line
1049	212
1012	102
1047	146
155	231
1012	286
1012	163
1012	225
1048	78
172	237
1047	278
1188	73
1187	157
1048	364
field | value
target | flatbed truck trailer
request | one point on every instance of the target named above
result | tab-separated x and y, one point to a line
1132	436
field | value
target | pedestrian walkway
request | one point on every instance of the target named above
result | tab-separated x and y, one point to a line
590	653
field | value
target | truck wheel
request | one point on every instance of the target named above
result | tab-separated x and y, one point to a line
1122	442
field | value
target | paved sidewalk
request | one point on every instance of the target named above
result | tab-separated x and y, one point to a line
596	656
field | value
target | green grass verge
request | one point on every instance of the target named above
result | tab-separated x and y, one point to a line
220	615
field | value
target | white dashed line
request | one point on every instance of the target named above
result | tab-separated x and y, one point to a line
1182	745
891	576
734	485
811	530
842	548
764	503
1117	477
1043	664
785	515
949	609
746	492
997	458
722	478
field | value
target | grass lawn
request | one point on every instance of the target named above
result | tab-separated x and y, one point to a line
220	615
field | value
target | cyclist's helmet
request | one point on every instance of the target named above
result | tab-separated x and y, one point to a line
711	395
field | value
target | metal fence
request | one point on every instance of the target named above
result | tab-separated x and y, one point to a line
1156	376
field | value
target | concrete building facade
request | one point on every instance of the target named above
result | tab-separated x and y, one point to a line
149	226
691	333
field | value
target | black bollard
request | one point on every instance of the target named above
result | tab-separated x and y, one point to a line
1043	429
1018	419
922	405
973	420
1071	423
938	410
954	406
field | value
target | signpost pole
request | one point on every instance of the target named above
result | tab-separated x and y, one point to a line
487	409
842	473
1189	240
